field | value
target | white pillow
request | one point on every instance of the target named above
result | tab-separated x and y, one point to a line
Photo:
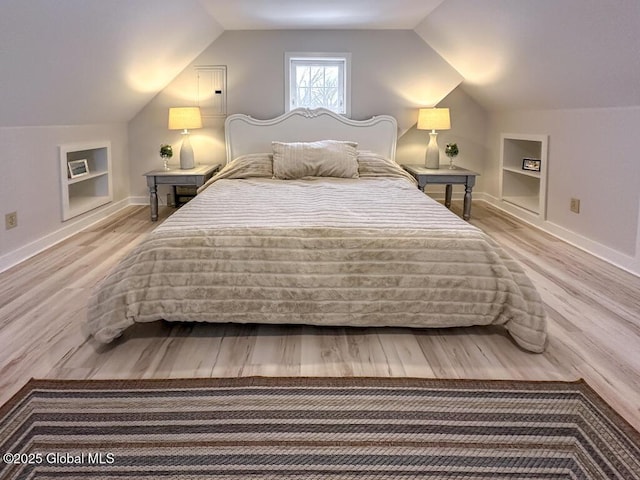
326	158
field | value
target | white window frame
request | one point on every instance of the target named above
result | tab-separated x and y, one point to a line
317	57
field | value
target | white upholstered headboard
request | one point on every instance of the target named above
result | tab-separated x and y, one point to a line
244	134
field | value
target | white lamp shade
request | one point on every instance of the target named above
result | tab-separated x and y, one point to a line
433	119
184	118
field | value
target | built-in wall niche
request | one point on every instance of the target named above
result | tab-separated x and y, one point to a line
85	176
523	174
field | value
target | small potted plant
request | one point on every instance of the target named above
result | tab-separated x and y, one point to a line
166	152
451	151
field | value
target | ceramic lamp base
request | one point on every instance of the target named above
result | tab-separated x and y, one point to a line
186	153
432	158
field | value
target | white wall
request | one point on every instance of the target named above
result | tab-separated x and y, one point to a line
593	156
393	72
30	183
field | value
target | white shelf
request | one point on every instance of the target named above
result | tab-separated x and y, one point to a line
524	189
84	178
519	171
81	194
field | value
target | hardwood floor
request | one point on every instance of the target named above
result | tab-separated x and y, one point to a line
593	310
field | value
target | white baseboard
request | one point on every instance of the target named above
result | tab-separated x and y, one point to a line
623	261
70	227
144	200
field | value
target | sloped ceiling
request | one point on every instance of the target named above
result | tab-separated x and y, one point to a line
67	62
541	54
96	61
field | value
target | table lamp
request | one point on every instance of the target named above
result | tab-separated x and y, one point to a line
185	118
433	119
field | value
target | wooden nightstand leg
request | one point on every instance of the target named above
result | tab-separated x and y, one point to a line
153	202
466	213
447	195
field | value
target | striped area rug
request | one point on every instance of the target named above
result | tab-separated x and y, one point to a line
314	428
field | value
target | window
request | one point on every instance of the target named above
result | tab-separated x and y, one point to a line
318	80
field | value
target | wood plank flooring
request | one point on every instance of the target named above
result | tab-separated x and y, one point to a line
593	309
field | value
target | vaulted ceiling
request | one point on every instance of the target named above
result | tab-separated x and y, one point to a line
93	61
541	54
96	61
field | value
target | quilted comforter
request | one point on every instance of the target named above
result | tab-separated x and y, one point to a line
323	251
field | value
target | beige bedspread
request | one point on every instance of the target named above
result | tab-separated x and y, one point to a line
362	252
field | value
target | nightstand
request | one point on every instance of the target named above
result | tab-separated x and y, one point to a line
448	177
194	177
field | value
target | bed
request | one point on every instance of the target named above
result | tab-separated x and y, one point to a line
288	233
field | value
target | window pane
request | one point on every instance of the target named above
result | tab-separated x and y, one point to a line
318	98
331	97
302	76
317	82
331	76
317	76
303	97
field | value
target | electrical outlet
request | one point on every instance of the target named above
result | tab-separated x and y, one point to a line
574	206
11	220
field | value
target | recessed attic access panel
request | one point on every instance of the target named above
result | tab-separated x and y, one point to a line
212	90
